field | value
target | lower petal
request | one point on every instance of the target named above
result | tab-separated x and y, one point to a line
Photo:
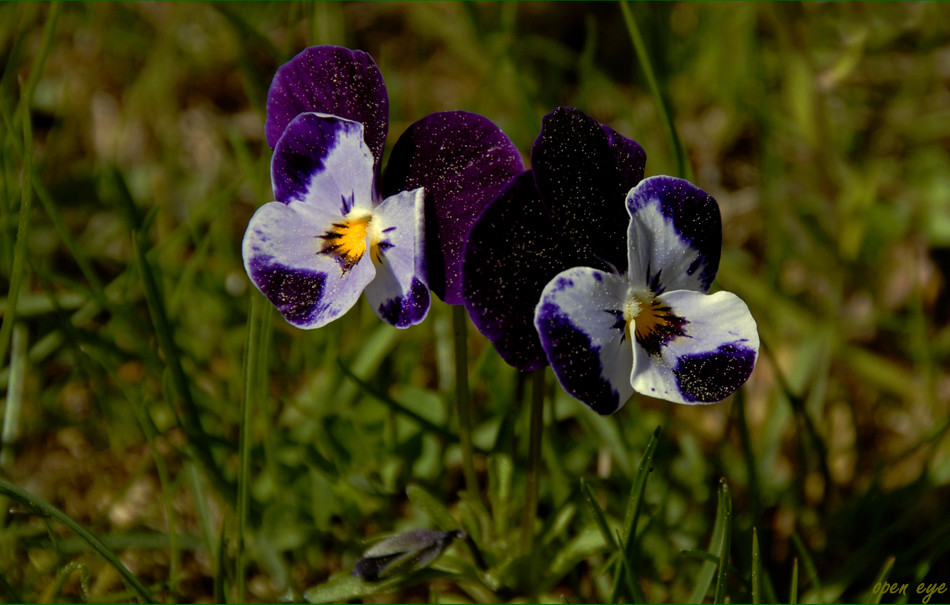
399	294
710	361
580	322
281	251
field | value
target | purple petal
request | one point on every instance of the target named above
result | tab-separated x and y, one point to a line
282	256
330	80
323	161
463	161
582	329
675	235
713	358
513	251
583	169
399	293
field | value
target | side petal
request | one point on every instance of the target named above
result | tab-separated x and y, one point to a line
580	322
399	293
463	161
713	358
281	251
513	251
675	235
330	80
323	162
584	169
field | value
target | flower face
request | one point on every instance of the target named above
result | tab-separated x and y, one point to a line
563	213
652	329
331	234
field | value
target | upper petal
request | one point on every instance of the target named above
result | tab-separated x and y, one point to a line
513	251
675	235
580	322
281	251
463	161
399	293
583	169
331	80
713	358
322	161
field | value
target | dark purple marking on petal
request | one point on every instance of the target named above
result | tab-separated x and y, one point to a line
713	376
302	152
513	251
347	203
297	293
584	170
409	309
577	359
463	161
656	326
693	214
330	80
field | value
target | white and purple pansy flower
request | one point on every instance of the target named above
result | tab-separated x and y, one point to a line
651	329
331	233
565	212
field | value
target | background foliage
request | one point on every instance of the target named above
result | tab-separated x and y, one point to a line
134	348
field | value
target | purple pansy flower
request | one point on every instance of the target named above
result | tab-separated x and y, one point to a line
331	233
565	212
652	328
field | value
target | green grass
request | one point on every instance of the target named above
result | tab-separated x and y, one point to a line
167	435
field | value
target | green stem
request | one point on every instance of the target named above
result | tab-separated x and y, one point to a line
535	429
41	507
251	373
682	163
460	332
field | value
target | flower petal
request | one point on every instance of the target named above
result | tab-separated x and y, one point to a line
675	235
330	80
323	162
711	361
463	161
399	293
513	251
580	321
583	169
282	257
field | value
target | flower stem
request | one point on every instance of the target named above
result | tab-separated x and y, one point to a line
462	399
536	425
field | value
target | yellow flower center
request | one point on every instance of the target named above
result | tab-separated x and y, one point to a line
653	323
346	240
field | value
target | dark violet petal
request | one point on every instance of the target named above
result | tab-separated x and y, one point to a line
583	168
714	375
582	329
675	235
463	161
713	356
330	80
407	551
513	251
323	161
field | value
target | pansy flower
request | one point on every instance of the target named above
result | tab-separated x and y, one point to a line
651	329
334	231
565	212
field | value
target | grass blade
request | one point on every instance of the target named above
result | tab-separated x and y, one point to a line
593	507
191	422
41	507
632	515
756	568
725	513
793	588
706	573
875	597
682	162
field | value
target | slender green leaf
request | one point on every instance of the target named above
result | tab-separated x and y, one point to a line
725	507
431	506
41	507
872	596
593	507
756	569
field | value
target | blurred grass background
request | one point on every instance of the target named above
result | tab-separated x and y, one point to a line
132	157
